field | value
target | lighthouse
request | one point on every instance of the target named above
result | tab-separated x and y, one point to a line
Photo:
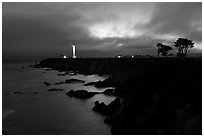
73	51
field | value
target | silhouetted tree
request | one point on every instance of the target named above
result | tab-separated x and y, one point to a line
183	46
163	49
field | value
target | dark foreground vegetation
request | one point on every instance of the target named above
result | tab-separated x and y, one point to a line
159	95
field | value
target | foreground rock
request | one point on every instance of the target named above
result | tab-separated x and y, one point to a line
35	93
151	110
55	89
46	83
109	82
4	132
18	92
63	74
161	96
70	81
48	69
107	109
109	92
58	83
74	81
83	94
100	84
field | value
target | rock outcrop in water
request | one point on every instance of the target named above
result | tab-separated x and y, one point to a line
102	84
67	73
109	92
161	96
35	93
46	83
58	83
64	74
55	89
74	81
70	81
18	92
82	94
107	109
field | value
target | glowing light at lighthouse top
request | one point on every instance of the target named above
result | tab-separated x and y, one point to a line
73	51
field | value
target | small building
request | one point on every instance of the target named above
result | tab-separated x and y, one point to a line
119	56
63	56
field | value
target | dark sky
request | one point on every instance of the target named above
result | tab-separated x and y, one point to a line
33	31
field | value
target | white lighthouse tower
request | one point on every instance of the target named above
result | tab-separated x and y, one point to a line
73	51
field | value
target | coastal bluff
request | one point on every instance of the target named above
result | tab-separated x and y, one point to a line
111	65
160	95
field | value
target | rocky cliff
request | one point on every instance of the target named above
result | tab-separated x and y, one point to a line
161	95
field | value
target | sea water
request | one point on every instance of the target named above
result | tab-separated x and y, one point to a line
39	111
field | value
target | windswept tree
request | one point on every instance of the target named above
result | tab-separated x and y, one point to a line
183	46
163	50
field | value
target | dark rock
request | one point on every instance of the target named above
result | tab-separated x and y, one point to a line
86	73
55	89
48	69
116	80
109	92
4	132
100	74
18	92
70	81
74	81
83	94
47	84
107	109
35	93
58	83
62	74
92	83
165	112
113	118
102	84
60	70
98	105
161	96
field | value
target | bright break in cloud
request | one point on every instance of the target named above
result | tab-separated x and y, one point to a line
39	30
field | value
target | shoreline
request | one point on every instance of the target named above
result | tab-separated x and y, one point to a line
44	98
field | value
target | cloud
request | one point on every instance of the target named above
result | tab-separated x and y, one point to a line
171	20
36	33
49	29
175	17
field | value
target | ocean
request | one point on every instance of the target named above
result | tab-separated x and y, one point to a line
29	108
